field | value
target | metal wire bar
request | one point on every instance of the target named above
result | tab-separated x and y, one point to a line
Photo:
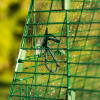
87	22
69	10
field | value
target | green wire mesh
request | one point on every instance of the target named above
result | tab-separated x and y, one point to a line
78	52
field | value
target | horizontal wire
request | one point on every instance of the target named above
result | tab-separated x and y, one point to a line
94	77
41	85
12	95
70	10
80	1
97	50
68	23
85	90
39	73
92	36
84	1
82	63
96	29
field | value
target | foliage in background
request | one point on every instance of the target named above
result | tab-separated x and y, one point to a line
12	20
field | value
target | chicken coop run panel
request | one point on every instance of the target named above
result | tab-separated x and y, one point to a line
59	58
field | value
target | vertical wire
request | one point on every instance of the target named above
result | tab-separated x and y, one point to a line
35	48
33	19
68	55
26	26
62	27
68	58
49	13
12	86
90	57
78	24
73	45
97	68
33	39
59	94
27	90
20	91
67	7
47	27
86	42
61	83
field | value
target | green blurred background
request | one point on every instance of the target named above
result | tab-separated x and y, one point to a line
13	15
